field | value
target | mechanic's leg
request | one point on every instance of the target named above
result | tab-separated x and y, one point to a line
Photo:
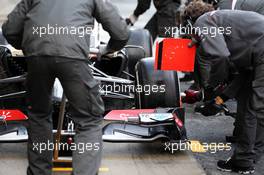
87	106
152	26
259	145
40	81
252	125
242	98
244	152
258	104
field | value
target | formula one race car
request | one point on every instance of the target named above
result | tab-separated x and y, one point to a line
142	104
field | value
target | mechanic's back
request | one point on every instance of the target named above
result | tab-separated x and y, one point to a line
241	44
60	14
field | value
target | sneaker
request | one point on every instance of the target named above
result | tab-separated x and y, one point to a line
228	166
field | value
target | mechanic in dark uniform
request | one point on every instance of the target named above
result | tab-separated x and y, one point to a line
51	56
234	88
243	49
166	15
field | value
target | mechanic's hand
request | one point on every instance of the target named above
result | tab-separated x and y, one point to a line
193	43
131	20
212	107
110	55
192	96
105	52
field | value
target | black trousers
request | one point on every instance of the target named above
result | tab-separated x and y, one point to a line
152	26
250	119
82	92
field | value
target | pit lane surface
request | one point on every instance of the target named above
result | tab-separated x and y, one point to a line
212	130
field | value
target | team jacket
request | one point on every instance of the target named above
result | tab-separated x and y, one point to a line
242	47
72	16
247	5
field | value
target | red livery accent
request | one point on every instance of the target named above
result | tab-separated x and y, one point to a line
174	54
122	115
178	122
12	115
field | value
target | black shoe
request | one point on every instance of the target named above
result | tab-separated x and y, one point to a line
231	139
228	166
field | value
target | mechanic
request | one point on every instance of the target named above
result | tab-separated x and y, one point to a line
243	49
59	55
167	11
247	5
234	87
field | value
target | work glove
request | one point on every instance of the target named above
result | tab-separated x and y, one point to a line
131	20
192	96
212	107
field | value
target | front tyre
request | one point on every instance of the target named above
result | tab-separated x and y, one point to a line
155	88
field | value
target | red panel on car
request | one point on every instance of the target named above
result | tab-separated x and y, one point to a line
12	115
122	115
174	54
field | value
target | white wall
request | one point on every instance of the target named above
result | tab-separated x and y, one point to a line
6	7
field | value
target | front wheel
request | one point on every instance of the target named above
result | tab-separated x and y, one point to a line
157	88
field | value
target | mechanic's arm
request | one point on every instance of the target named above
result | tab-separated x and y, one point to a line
142	7
213	52
106	14
14	26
